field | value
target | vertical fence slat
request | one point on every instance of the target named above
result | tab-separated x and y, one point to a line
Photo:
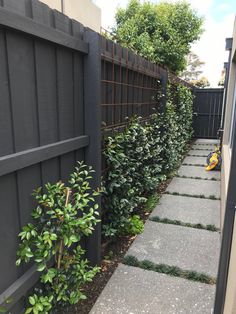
65	82
78	88
21	65
20	51
78	85
6	146
9	222
45	67
18	6
9	228
18	186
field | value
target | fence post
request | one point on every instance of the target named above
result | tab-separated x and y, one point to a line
92	113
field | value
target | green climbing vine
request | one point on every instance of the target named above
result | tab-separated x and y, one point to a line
140	158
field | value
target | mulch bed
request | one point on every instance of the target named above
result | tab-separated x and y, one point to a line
114	253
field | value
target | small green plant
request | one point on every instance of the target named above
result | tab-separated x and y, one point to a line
152	202
109	256
134	226
64	214
3	306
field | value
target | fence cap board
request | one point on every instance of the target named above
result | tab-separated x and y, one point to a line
207	90
29	26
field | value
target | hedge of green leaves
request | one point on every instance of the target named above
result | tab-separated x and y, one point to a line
141	157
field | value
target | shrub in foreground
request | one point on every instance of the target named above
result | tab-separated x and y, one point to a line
64	214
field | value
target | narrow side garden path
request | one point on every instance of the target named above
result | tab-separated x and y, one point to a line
172	266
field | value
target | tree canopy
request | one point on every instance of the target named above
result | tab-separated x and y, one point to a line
202	82
193	67
222	78
161	32
193	71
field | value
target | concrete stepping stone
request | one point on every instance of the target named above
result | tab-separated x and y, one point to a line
189	210
193	160
194	187
204	147
203	153
188	248
207	141
200	172
133	290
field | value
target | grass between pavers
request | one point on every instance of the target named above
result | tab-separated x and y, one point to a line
169	270
197	165
195	148
210	197
205	144
195	155
196	178
183	224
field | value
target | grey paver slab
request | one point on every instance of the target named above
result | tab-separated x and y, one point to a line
206	141
188	209
187	248
135	291
194	171
203	153
192	160
204	147
194	187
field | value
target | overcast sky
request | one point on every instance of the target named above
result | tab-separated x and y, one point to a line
219	19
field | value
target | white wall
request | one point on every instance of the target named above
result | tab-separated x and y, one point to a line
230	300
84	11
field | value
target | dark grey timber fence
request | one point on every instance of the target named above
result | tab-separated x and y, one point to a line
58	81
207	112
49	118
